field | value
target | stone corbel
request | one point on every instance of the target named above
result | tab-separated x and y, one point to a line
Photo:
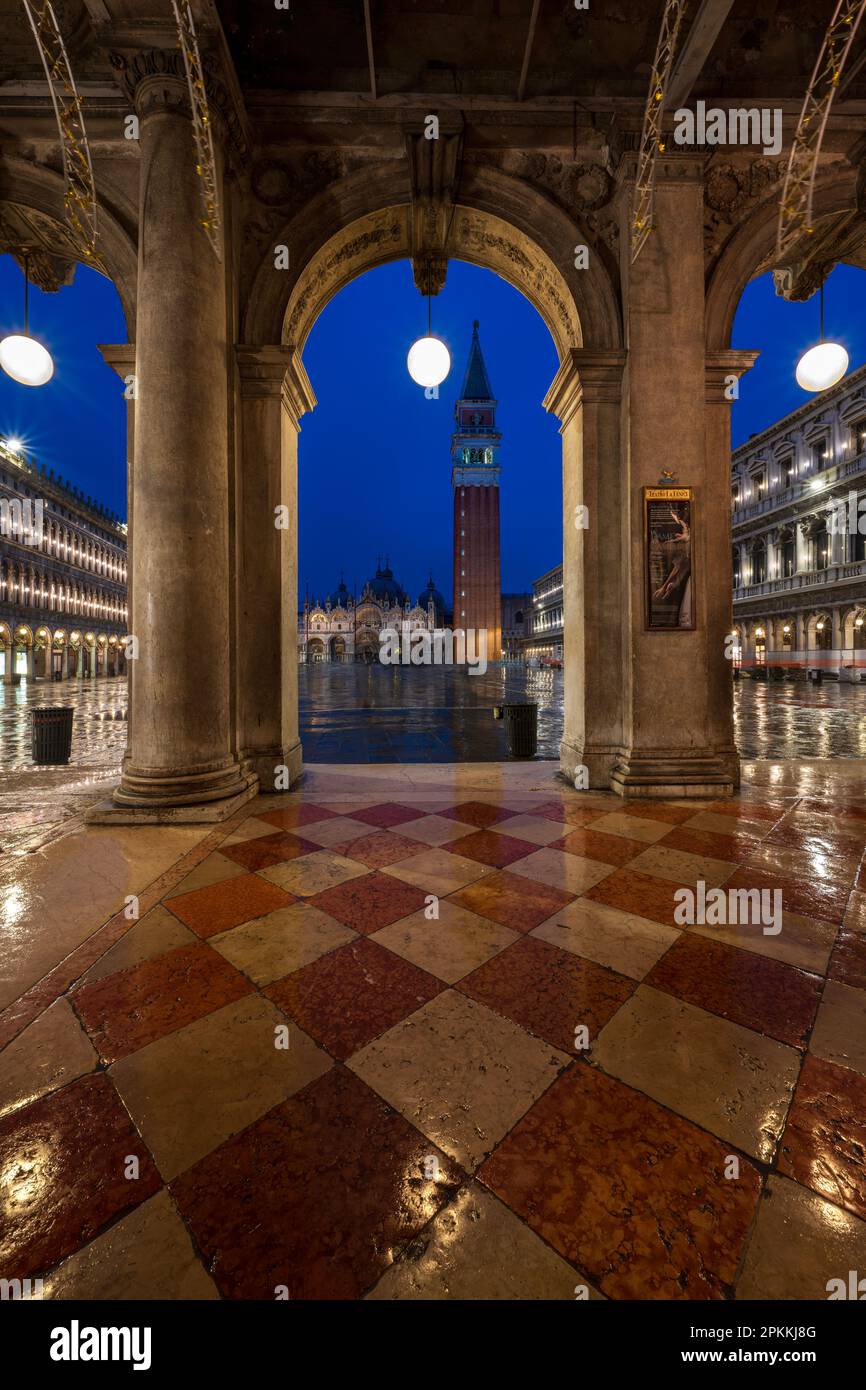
434	173
720	367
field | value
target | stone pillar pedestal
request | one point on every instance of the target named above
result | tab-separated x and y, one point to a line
180	763
678	736
274	393
586	397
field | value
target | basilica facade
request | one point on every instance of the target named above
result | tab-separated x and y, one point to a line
346	628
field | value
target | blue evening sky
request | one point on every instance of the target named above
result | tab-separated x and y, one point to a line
375	454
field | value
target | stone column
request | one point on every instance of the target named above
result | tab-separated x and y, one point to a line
678	738
9	665
180	751
274	393
121	356
586	397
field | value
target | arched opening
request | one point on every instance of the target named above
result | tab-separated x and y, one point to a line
392	514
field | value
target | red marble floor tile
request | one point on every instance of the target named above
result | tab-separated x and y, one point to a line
854	809
223	905
644	894
477	813
321	1194
810	897
815	845
491	847
569	813
754	807
370	902
133	1007
379	848
824	1143
266	850
809	861
709	844
511	899
387	814
633	1194
548	991
753	990
63	1174
595	844
657	810
350	996
291	817
848	961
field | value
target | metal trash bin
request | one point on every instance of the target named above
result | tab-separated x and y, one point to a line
521	730
52	734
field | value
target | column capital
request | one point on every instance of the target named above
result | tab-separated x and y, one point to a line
722	365
120	357
585	375
275	370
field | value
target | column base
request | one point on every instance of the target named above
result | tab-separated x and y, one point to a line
598	760
265	765
146	797
666	775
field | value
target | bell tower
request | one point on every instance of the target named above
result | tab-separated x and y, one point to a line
475	482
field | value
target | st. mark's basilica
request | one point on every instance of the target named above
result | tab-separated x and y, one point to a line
346	627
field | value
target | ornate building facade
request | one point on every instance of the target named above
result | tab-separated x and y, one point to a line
799	538
475	480
339	628
544	640
63	577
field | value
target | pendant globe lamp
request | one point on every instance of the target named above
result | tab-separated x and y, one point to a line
824	364
23	358
428	359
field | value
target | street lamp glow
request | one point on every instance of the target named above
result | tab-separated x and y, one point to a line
428	361
822	366
26	360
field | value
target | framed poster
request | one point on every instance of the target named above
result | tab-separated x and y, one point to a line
668	558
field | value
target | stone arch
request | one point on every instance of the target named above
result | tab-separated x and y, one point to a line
41	191
750	250
500	223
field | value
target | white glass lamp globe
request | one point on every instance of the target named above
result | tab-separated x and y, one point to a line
822	366
429	361
25	360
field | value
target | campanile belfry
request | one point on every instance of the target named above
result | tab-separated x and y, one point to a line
475	480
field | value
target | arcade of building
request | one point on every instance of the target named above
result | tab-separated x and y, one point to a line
63	601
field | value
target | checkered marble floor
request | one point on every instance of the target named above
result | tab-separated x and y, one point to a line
421	1047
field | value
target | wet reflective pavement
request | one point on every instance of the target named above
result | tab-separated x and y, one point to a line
399	714
432	1128
796	720
39	803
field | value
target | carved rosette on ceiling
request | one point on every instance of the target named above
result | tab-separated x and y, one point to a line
281	188
731	191
582	187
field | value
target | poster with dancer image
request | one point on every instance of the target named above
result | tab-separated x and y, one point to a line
668	521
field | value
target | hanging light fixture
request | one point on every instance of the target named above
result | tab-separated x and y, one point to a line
22	357
823	365
428	359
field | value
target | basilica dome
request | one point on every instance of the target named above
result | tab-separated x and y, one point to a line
431	592
384	586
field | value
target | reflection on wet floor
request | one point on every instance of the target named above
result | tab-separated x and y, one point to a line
408	714
39	803
400	714
796	720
